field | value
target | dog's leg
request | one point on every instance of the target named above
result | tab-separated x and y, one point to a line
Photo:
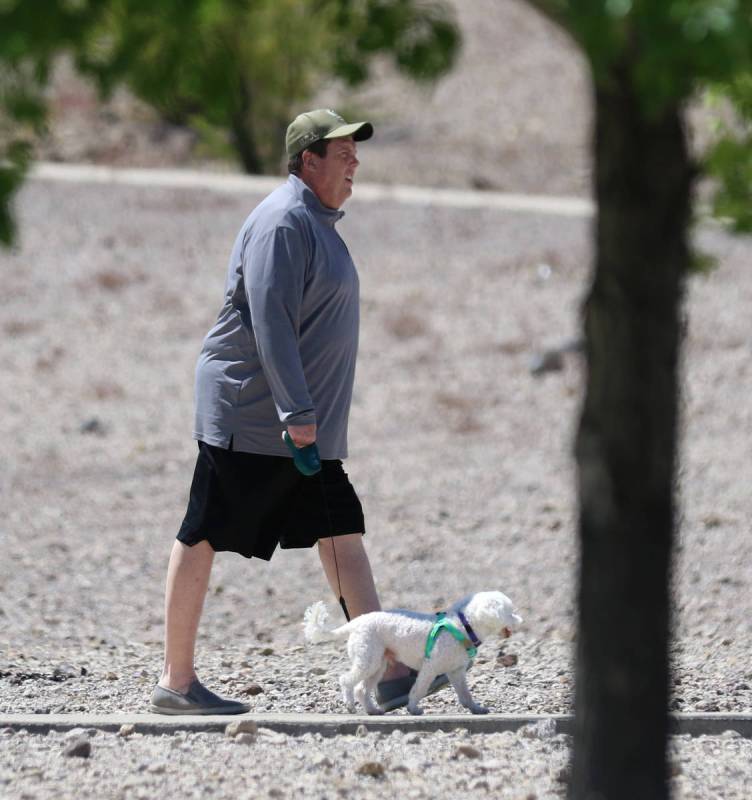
356	684
368	689
350	681
420	688
367	656
458	679
347	683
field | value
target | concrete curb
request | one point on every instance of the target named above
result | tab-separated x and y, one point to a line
700	724
233	183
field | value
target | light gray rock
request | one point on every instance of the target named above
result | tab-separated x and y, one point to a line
543	729
546	361
239	726
76	733
65	671
80	747
272	737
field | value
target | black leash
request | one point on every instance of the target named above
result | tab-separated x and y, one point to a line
334	549
308	462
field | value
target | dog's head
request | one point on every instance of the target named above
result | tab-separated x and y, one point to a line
490	614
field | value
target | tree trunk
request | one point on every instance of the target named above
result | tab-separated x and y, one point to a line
626	447
243	136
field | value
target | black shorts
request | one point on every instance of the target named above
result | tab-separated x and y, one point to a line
249	503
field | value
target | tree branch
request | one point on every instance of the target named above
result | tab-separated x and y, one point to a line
555	10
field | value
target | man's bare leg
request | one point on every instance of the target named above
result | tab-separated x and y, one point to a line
187	581
356	580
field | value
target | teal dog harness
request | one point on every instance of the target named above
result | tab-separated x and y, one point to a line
443	624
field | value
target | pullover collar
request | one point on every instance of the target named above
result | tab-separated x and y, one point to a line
328	216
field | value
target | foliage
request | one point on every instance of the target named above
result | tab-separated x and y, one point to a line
233	65
420	36
671	50
31	36
243	66
671	44
729	159
232	68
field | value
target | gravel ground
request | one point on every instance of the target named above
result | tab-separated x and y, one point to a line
461	455
345	766
527	765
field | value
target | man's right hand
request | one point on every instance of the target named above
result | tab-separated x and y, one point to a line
302	435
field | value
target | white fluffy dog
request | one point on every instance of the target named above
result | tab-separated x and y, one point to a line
375	637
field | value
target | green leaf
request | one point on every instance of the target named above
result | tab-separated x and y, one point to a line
13	168
702	263
730	163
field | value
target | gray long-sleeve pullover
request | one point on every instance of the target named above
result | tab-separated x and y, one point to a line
284	346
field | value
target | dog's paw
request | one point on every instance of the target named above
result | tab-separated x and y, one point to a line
475	709
375	711
416	711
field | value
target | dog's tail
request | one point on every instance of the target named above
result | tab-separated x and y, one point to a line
316	625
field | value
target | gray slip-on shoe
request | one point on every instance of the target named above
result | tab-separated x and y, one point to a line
197	700
396	692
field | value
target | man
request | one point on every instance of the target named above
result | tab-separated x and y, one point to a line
281	357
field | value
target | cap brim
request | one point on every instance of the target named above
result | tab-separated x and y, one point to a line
360	131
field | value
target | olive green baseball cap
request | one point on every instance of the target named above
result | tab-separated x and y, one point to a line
323	123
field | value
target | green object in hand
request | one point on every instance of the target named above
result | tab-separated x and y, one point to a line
306	459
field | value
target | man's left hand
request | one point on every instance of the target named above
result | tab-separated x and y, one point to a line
302	435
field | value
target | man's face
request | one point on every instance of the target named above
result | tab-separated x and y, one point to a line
331	178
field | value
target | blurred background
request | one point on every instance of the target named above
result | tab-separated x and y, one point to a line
509	109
